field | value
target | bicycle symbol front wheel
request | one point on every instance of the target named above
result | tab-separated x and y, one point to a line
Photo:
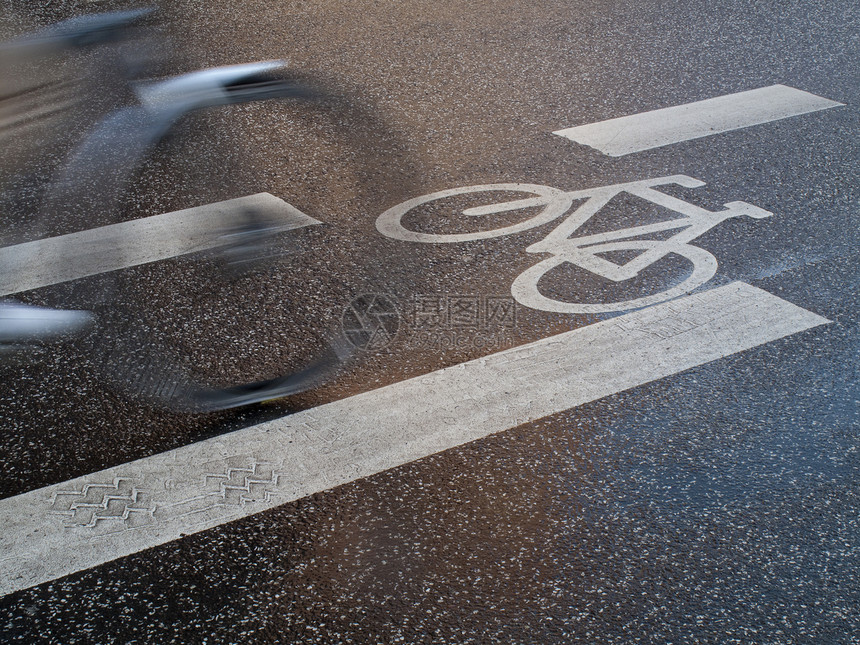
526	291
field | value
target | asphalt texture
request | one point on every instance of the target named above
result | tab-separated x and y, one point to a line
719	505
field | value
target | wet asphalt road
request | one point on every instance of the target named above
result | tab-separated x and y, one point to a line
717	505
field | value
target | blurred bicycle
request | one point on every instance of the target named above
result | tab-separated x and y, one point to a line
146	154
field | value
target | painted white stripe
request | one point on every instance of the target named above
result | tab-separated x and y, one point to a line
61	529
77	255
637	132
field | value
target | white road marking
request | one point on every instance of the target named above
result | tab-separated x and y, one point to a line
637	132
586	251
69	527
77	255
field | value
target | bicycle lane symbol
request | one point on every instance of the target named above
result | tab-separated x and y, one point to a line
584	251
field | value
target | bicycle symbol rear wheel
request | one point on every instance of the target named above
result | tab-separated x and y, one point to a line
552	202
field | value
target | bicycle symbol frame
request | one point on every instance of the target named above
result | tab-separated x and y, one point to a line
584	251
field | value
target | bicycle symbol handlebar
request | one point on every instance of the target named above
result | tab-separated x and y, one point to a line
585	251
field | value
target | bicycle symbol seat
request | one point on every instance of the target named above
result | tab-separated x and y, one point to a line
585	251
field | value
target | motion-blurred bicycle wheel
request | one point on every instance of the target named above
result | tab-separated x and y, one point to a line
259	315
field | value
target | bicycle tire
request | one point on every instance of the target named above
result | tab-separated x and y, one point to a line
153	348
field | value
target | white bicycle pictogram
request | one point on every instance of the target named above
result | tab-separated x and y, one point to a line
584	251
